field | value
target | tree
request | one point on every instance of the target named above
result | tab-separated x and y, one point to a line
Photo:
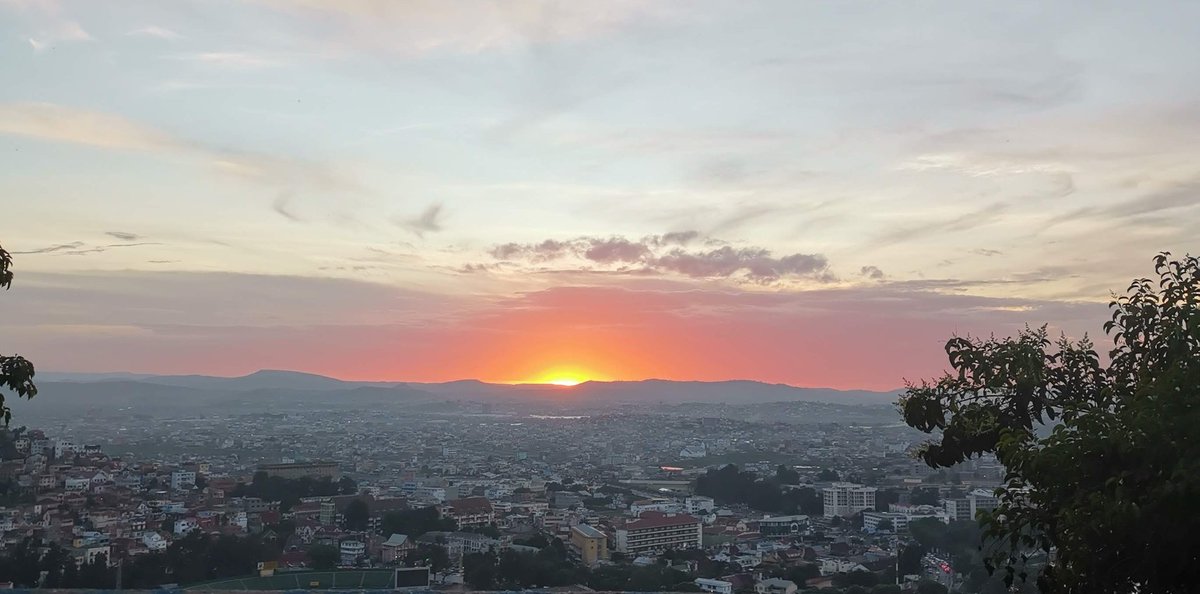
786	476
885	525
930	587
1102	460
924	497
323	557
356	515
827	474
430	555
16	372
347	486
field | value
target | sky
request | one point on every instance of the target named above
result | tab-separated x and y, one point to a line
811	193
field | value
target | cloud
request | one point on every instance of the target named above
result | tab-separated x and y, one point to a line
123	236
59	33
156	32
426	222
419	27
871	272
47	121
281	206
74	245
986	252
230	60
79	248
666	254
976	218
51	122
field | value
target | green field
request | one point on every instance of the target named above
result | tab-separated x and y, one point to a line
368	579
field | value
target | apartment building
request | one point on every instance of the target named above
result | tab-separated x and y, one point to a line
847	499
657	531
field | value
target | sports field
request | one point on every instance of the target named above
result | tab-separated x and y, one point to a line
368	579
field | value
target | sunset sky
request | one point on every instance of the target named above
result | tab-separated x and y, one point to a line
813	193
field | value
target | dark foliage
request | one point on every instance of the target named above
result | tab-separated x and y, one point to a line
730	485
16	372
1103	461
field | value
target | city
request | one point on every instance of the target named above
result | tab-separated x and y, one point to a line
705	500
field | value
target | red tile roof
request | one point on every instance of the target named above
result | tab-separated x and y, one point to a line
660	520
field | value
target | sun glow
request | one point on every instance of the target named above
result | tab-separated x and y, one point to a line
564	376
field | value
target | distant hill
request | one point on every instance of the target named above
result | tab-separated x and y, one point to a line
281	387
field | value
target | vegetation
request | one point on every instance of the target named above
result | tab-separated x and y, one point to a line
356	515
289	492
1103	460
16	372
323	557
415	522
730	485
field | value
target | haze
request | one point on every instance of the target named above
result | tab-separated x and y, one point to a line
816	194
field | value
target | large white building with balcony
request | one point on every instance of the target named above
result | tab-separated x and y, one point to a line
847	499
656	531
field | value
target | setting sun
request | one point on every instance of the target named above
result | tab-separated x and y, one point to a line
564	376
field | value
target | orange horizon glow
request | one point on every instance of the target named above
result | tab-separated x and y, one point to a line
565	376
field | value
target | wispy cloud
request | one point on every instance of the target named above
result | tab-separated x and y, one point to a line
230	60
60	33
156	32
429	221
123	236
51	122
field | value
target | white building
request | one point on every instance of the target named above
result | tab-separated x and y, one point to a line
982	500
351	551
715	586
185	526
699	504
847	499
776	586
657	504
183	480
655	531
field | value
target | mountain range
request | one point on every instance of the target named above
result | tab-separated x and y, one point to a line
71	391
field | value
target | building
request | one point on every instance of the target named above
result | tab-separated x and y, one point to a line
592	543
847	499
295	470
958	509
396	548
351	551
656	531
699	504
982	500
183	480
872	519
715	586
782	525
657	504
776	586
470	512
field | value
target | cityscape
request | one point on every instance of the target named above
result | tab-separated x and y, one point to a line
599	296
773	497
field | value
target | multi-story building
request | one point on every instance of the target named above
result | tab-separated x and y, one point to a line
982	500
183	480
699	504
782	525
958	509
592	543
301	469
847	499
470	512
657	531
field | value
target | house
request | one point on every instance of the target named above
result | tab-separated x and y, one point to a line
395	548
715	586
775	586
